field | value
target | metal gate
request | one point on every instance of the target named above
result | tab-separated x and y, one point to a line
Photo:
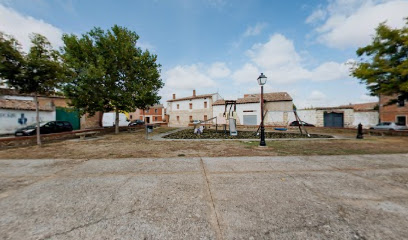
250	120
333	119
68	114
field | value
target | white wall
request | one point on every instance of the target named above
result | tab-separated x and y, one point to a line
9	119
308	116
17	97
368	119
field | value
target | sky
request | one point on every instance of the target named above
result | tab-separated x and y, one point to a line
304	47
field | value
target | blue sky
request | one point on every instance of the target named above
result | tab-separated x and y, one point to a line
303	47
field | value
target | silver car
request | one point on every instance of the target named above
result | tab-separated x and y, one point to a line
389	126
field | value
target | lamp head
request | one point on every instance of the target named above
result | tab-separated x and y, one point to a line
262	79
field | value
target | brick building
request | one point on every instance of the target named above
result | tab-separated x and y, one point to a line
396	112
154	114
182	111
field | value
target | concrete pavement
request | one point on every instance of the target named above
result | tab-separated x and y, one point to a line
319	197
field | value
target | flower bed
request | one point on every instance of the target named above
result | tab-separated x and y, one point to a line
212	134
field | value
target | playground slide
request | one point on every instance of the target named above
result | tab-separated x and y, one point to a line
233	127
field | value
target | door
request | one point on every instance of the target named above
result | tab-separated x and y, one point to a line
250	120
147	119
333	119
70	115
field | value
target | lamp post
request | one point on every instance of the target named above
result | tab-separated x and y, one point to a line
261	82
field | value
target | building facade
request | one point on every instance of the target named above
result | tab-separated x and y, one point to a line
152	115
346	116
183	111
248	109
395	112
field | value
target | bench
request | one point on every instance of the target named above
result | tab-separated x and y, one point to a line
82	135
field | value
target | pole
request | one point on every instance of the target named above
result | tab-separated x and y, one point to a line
262	143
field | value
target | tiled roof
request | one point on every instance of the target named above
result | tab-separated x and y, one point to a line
14	92
358	107
21	105
192	97
255	98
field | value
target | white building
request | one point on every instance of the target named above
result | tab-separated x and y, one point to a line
182	111
15	114
277	105
348	116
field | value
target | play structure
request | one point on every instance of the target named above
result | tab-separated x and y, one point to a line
230	115
302	129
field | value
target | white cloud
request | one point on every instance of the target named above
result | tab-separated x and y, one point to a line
254	30
187	77
248	73
281	63
318	14
21	27
352	23
317	96
218	70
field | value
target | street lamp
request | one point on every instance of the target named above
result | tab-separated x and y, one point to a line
262	81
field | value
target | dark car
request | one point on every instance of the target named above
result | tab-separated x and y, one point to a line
296	123
136	122
45	128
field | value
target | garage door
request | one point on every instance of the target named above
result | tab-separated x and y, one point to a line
250	120
333	120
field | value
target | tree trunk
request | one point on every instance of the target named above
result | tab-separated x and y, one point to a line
117	121
37	118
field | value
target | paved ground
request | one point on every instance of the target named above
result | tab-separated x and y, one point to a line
336	197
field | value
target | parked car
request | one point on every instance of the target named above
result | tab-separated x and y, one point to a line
196	121
296	123
389	126
45	128
136	122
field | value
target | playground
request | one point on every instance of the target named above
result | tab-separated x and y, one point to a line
221	134
135	145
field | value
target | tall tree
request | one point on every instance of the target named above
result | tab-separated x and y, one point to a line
110	73
39	72
383	66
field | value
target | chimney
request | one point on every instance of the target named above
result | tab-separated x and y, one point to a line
194	94
174	96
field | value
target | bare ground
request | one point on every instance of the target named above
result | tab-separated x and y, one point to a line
134	145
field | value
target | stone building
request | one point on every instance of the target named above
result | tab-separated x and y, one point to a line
345	116
182	111
396	112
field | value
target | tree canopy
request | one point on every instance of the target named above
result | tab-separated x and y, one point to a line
109	71
38	72
383	66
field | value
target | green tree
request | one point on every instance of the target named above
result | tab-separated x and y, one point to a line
39	72
383	65
110	73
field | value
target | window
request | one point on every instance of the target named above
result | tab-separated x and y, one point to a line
191	118
178	106
147	111
131	116
400	101
191	106
205	104
155	118
205	117
401	120
155	110
178	118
